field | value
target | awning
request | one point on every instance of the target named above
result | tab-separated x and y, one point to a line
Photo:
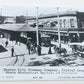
26	28
17	27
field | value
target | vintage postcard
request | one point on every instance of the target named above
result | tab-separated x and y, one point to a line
41	42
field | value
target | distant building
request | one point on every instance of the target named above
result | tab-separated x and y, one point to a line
20	19
71	23
2	18
9	20
67	19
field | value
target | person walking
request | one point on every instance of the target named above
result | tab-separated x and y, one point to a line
12	51
39	50
6	43
16	43
49	52
28	46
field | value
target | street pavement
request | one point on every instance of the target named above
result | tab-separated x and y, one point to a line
22	58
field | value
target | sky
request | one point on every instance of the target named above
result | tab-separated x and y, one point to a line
28	7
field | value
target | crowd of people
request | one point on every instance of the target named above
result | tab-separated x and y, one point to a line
32	48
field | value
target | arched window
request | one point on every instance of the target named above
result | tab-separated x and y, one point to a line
72	22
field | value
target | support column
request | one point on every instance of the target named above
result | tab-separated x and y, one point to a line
37	33
59	37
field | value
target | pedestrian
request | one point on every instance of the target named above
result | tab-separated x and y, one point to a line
39	50
12	51
55	47
34	46
28	46
16	42
49	52
6	43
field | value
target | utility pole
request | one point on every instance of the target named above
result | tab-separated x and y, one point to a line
27	16
58	28
37	32
1	11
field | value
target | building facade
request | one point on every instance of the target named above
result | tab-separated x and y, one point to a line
71	24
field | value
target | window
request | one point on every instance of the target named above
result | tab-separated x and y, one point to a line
82	24
72	22
60	22
64	23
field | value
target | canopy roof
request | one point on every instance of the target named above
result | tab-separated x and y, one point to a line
17	27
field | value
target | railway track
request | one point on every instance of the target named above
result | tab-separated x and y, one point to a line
17	60
20	59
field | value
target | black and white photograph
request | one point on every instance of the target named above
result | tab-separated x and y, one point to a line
41	41
41	36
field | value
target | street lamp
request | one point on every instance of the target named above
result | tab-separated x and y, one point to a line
58	28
